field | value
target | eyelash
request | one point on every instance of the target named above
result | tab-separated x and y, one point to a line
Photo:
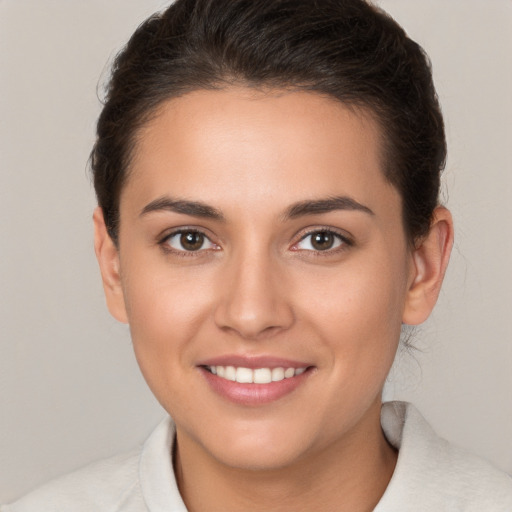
344	242
165	245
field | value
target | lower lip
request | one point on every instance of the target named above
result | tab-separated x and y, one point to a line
253	394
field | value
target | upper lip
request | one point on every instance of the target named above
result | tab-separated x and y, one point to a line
253	362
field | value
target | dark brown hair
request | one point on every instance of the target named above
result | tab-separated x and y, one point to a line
347	49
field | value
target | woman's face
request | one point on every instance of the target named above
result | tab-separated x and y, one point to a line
259	240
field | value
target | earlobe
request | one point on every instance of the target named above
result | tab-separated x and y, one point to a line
429	262
107	255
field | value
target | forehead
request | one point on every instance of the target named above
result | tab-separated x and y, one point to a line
241	144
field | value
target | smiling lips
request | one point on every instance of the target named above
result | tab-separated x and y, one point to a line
244	375
252	382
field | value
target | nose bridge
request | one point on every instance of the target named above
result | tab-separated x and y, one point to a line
254	300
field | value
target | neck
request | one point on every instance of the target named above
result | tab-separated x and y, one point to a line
349	475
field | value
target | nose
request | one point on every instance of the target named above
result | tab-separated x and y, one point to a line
254	300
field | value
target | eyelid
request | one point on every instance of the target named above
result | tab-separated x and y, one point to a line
346	240
164	239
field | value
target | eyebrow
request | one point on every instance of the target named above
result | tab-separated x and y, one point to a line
193	208
302	208
319	206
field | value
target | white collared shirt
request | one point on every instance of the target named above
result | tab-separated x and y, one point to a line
430	475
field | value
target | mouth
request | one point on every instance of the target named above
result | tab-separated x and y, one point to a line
244	375
254	381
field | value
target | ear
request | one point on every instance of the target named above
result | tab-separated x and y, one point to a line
107	255
429	262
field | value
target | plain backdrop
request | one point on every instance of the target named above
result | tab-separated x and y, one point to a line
70	390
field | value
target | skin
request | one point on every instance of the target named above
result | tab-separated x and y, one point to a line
258	287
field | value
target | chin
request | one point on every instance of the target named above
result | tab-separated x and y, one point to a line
257	446
259	456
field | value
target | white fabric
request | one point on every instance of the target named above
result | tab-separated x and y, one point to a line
434	475
431	475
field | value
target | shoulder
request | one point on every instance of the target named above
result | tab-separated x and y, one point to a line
433	474
107	485
134	482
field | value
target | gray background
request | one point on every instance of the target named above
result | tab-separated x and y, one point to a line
70	390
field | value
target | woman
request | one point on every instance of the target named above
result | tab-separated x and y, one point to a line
267	176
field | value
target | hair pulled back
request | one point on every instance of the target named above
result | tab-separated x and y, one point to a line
347	49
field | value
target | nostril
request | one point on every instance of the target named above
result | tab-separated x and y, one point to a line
252	332
253	302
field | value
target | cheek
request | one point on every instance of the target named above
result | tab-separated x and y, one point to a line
357	309
166	309
357	320
165	299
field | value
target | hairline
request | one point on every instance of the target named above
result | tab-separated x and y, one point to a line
266	87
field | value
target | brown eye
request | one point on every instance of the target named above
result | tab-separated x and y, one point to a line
322	240
189	241
192	241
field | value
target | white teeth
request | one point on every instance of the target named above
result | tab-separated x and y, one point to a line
257	376
289	372
230	373
244	375
262	376
277	374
